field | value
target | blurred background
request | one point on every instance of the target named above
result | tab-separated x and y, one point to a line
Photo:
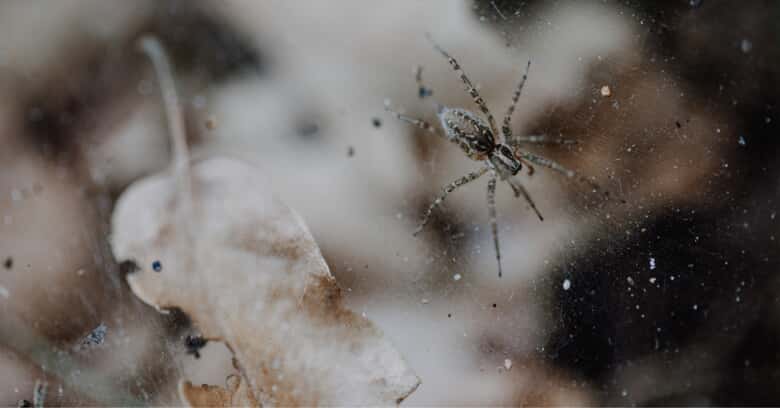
668	299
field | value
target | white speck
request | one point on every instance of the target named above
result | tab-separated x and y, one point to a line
773	215
652	280
630	280
363	314
425	301
399	216
456	277
566	284
741	141
695	307
507	364
746	45
605	91
4	292
652	263
738	299
274	388
624	393
199	102
16	195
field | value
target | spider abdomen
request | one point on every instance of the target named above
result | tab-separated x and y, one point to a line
468	131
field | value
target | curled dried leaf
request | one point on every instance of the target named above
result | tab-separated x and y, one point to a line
211	240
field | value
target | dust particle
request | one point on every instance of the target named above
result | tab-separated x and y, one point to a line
211	122
376	122
606	91
507	364
746	45
350	151
194	344
9	263
39	393
96	336
157	266
308	130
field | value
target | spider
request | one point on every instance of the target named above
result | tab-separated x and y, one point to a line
477	139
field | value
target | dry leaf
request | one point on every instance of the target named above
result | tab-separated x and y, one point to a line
236	394
214	242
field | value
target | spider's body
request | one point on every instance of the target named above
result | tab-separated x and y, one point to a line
478	140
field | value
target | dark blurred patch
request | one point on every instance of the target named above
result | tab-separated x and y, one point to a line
717	320
203	44
97	74
686	291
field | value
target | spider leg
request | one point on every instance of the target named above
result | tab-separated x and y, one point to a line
506	128
469	86
461	140
414	121
491	199
545	162
539	139
447	190
520	190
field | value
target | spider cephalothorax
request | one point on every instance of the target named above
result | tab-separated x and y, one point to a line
477	138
